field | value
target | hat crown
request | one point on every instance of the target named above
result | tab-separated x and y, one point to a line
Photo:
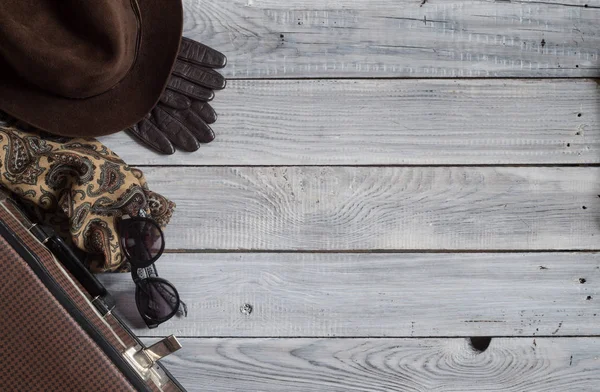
71	48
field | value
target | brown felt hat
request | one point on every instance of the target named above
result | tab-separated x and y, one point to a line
86	67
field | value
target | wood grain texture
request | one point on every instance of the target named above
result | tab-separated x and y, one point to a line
394	295
399	38
390	208
380	122
340	365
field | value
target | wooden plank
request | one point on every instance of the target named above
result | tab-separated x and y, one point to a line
394	295
380	122
389	208
399	38
328	365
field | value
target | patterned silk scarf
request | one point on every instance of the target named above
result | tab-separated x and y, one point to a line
78	186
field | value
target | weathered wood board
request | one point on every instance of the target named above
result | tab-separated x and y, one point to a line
381	208
340	365
341	145
394	295
391	122
400	38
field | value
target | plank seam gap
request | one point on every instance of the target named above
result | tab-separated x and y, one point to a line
382	251
558	4
300	78
554	165
378	337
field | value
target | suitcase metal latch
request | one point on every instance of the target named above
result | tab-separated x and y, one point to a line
144	359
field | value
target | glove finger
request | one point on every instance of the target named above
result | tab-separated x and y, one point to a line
192	121
175	130
202	76
200	54
189	89
205	111
175	100
147	133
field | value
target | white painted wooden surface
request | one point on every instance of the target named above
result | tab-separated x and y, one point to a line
375	365
399	38
394	295
356	320
370	208
383	122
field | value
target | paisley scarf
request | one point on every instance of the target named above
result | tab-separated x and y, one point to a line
78	186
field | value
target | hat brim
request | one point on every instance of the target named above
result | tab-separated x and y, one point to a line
115	110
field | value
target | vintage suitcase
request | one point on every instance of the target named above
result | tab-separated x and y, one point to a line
55	335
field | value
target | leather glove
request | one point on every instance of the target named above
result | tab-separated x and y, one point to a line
182	116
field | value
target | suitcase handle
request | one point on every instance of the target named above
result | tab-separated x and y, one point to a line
101	299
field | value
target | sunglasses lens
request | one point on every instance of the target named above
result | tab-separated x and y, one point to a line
142	240
157	299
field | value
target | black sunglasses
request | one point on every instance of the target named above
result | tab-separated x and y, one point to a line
142	243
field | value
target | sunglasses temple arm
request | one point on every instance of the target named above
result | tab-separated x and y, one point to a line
182	311
151	271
